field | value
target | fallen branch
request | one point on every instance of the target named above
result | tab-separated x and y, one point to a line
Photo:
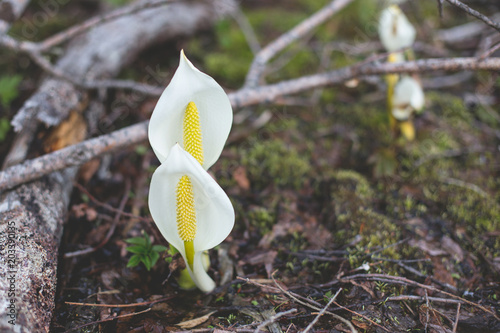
108	319
273	319
264	55
475	13
131	305
405	281
267	93
73	155
87	150
312	323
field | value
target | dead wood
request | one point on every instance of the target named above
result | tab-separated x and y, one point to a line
85	151
32	215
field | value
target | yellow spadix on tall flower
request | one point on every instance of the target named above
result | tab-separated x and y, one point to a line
188	129
191	211
192	107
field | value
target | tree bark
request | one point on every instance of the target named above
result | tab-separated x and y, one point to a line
32	215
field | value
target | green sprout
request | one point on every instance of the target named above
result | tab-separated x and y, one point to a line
143	251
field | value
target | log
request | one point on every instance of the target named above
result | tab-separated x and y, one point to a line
32	215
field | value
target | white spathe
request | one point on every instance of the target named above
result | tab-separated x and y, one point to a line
214	211
394	29
408	97
216	115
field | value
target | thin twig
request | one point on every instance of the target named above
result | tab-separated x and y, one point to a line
405	281
131	305
72	155
308	303
417	273
422	298
247	30
362	316
273	319
312	323
426	310
111	229
345	321
260	60
87	150
476	14
108	207
108	319
266	93
489	52
73	31
455	324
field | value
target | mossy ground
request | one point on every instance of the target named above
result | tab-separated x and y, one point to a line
323	190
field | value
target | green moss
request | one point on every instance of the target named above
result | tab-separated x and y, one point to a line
479	215
223	65
450	108
301	63
269	23
359	183
275	162
231	57
262	219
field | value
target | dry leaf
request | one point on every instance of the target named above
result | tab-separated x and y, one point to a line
196	321
240	176
450	246
69	132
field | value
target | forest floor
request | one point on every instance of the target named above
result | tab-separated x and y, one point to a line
327	199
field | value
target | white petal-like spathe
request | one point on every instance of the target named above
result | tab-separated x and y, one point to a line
216	115
394	29
214	212
202	280
408	97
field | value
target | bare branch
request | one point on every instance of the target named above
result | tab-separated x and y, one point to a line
273	319
264	55
73	31
322	312
72	155
267	93
85	151
476	14
247	30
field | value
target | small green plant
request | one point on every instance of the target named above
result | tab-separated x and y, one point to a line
328	296
9	88
230	319
143	251
4	128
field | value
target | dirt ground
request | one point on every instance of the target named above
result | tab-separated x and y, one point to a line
332	208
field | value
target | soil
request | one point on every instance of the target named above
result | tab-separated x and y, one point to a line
334	211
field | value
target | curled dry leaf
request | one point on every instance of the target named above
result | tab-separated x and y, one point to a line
70	131
195	322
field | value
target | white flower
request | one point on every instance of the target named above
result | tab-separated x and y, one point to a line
408	97
191	211
193	111
394	29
